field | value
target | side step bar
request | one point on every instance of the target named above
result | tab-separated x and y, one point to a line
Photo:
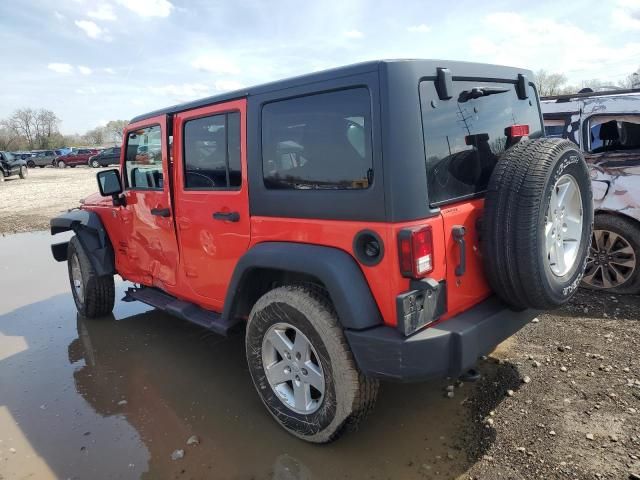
179	308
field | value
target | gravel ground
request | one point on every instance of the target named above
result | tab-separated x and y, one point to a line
561	399
27	205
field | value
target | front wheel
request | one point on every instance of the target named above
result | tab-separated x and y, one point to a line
31	164
23	172
61	164
94	295
302	366
614	256
95	163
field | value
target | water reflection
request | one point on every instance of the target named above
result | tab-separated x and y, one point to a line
114	397
178	380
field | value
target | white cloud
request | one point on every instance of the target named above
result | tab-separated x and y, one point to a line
84	70
103	12
215	63
627	15
58	15
422	28
60	67
539	42
148	8
109	70
353	34
185	91
90	28
228	85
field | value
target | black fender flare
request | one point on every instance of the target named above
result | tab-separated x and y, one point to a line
334	268
92	236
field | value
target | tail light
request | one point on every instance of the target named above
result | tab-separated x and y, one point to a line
415	248
517	131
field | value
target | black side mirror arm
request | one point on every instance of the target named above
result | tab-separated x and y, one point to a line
119	200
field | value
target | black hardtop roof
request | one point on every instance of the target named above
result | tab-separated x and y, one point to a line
418	67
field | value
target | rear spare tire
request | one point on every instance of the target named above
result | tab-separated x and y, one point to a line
537	223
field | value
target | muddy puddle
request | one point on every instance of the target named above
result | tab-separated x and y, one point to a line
113	398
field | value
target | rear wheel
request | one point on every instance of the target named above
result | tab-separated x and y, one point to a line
614	256
537	223
23	172
302	366
95	163
94	295
61	164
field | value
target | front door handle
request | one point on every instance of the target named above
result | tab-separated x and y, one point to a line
161	212
459	232
227	216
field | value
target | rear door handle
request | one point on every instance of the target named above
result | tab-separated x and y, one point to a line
227	216
459	232
161	212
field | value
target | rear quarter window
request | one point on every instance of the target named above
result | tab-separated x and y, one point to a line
320	141
464	136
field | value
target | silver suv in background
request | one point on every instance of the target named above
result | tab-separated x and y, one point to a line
41	158
606	126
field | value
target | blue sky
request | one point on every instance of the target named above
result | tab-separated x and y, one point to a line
92	61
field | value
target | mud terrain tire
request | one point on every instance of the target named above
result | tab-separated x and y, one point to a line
94	295
348	395
519	225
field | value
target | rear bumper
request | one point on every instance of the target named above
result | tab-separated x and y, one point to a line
445	350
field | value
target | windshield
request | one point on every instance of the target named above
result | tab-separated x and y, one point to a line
8	156
465	135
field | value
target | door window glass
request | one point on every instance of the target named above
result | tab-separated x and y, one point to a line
143	163
212	152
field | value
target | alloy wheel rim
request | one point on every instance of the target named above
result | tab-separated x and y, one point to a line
76	278
563	228
611	261
293	369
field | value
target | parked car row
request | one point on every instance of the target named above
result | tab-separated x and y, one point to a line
70	157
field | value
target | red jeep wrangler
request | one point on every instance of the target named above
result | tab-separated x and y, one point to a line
388	220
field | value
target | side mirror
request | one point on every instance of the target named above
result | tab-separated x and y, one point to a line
110	184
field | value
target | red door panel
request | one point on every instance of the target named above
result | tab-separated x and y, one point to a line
149	239
470	287
212	219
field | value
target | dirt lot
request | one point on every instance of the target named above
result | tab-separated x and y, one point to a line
27	205
97	399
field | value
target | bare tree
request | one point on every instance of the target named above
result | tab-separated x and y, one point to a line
549	83
22	123
95	136
113	130
631	81
8	137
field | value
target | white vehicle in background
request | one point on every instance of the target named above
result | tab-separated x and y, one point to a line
606	126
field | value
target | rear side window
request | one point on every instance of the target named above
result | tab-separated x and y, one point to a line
320	141
212	152
143	163
617	133
465	135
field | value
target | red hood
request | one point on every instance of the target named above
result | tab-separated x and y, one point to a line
97	200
